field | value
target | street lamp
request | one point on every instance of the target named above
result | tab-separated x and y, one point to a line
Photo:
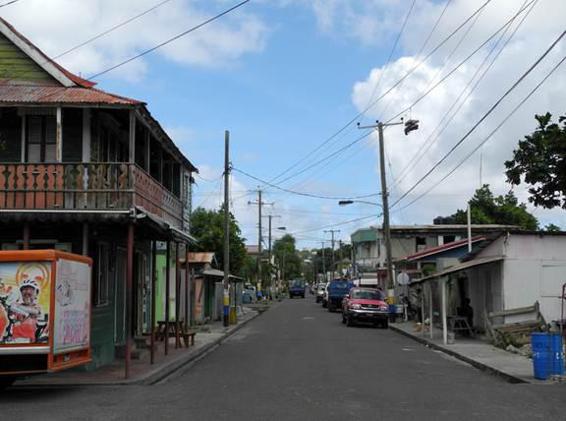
365	202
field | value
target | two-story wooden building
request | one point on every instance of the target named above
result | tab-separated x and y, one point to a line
90	172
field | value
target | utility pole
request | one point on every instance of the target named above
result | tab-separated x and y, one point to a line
323	262
270	217
340	254
226	298
410	125
259	204
333	260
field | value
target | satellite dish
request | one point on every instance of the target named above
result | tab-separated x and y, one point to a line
403	279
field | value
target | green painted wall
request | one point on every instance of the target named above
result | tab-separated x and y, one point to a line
16	65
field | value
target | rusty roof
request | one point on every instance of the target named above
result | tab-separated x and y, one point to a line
202	257
26	94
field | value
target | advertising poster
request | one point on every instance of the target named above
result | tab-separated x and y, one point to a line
24	302
72	306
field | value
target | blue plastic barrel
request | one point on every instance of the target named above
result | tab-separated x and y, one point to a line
548	354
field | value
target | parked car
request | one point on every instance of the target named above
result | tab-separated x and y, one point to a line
320	291
365	305
336	291
324	298
297	288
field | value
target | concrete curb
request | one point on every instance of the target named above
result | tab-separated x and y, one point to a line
477	364
156	375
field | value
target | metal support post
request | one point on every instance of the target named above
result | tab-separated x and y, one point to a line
129	291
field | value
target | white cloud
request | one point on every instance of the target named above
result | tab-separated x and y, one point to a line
538	31
66	23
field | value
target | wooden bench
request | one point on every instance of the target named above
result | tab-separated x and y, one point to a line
520	331
188	335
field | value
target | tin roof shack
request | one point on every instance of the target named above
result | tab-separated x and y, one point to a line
369	244
94	173
507	274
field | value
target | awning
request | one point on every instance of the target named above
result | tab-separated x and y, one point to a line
220	274
458	268
161	224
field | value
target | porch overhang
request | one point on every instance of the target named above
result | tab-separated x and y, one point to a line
458	268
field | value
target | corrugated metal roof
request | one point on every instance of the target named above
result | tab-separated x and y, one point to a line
439	249
202	257
26	94
460	267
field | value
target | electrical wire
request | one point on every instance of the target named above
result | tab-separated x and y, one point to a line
337	224
111	29
9	3
399	35
489	111
316	196
168	41
451	72
479	48
447	118
406	75
469	155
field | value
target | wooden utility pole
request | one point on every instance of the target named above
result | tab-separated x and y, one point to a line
332	232
410	125
226	298
259	204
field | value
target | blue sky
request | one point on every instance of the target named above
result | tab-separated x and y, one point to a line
283	75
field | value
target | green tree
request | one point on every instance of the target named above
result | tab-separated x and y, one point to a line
286	257
540	160
552	228
489	209
207	226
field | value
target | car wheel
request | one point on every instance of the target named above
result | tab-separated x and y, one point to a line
330	308
324	304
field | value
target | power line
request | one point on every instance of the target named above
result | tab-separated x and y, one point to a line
451	72
331	159
447	118
392	50
326	158
507	23
337	224
411	71
9	3
111	29
490	134
489	111
176	37
316	196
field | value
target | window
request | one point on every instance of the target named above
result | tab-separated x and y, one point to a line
102	277
420	243
10	136
41	138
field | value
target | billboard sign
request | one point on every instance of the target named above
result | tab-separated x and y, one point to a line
72	306
25	302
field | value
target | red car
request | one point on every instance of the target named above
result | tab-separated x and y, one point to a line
365	305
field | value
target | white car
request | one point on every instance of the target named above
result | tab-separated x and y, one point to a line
320	289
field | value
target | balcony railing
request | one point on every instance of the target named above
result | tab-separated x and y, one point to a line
85	186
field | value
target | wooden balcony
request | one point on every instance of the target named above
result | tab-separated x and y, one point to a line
85	187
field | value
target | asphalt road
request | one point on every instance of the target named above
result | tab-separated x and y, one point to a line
299	362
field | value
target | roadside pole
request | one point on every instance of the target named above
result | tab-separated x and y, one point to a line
410	125
226	297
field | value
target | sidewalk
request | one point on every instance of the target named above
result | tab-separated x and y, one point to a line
512	367
141	371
